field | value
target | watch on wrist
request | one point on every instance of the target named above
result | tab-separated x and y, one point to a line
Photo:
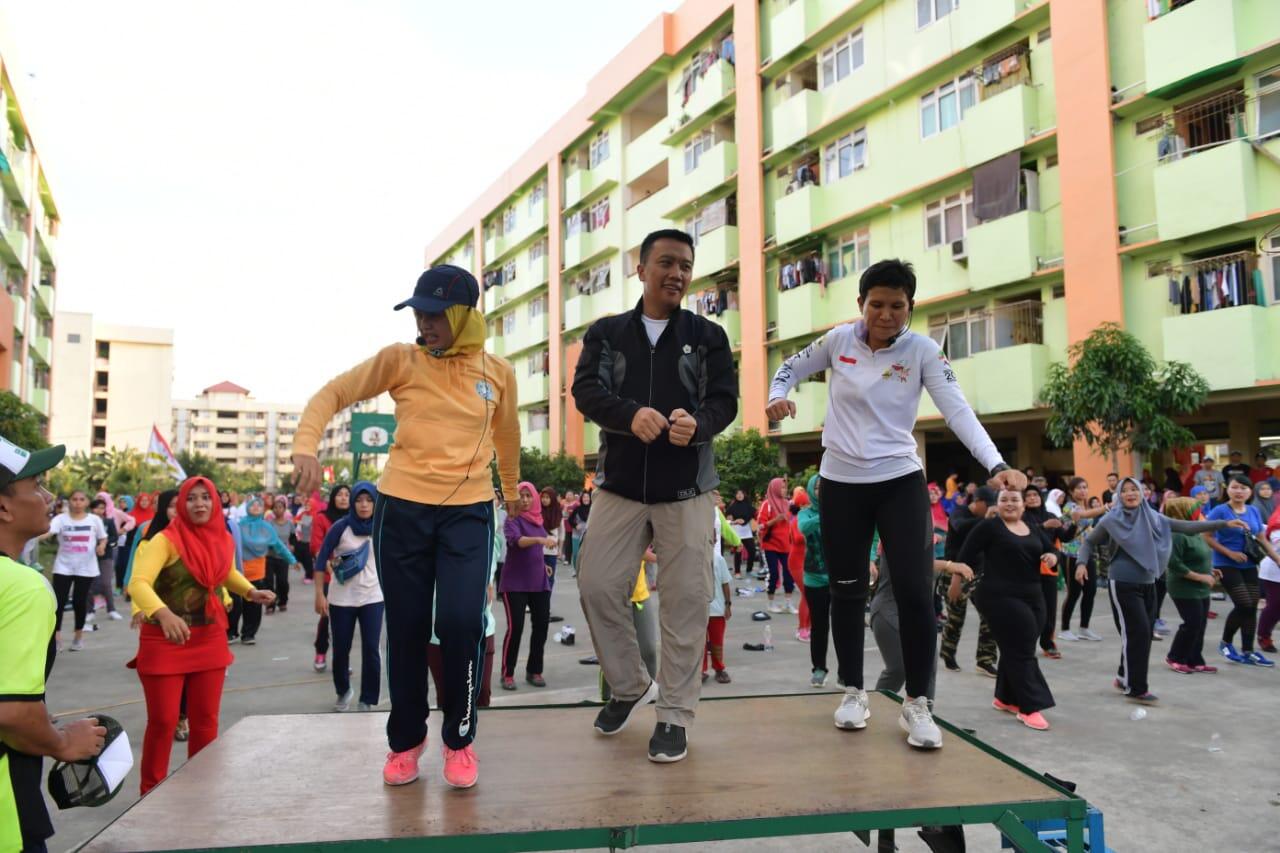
1003	466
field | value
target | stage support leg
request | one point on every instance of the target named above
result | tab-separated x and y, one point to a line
1075	836
1024	839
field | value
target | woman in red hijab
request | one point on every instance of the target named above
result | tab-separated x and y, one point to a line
774	522
183	576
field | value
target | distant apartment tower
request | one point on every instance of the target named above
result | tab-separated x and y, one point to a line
28	235
114	384
228	425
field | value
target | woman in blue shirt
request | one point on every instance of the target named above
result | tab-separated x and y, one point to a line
1239	574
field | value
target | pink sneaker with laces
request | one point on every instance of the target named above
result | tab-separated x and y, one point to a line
402	767
460	767
1034	720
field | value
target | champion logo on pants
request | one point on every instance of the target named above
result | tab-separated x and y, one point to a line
465	726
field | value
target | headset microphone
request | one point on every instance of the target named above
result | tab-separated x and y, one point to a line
893	340
421	341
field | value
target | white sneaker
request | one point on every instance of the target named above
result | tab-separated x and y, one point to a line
775	607
344	701
1088	634
1068	636
115	615
917	722
88	618
792	609
77	645
853	712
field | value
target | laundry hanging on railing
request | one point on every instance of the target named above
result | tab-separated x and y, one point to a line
806	270
1225	281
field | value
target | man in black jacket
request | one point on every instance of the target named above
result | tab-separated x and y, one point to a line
661	383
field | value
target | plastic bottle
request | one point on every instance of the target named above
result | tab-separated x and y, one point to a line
768	638
1138	714
1215	742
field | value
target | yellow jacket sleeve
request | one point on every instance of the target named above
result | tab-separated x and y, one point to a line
506	432
152	557
362	382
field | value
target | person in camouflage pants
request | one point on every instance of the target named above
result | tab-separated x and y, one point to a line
962	520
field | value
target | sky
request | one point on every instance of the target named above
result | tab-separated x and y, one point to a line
263	177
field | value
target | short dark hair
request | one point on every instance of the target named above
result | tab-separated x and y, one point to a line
664	234
986	495
97	502
891	273
1242	480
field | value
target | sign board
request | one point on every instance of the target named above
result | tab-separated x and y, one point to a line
372	432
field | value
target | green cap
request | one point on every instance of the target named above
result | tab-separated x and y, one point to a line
19	464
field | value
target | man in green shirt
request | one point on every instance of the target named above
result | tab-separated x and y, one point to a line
27	615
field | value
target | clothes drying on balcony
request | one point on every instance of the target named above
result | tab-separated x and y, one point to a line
996	186
1224	282
806	270
713	302
806	174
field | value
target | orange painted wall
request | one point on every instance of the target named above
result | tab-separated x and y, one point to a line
753	367
574	423
554	306
1090	225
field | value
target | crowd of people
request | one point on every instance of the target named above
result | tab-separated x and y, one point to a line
426	553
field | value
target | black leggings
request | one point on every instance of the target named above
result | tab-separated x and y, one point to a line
1188	644
819	599
750	546
1049	591
1017	616
78	588
539	604
899	510
1074	593
1242	586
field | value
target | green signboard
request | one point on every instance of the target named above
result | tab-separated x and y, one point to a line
372	432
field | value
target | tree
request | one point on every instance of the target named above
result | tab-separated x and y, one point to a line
746	460
196	464
342	469
20	423
561	471
1116	398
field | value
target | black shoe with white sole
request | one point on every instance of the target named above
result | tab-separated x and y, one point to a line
668	744
616	713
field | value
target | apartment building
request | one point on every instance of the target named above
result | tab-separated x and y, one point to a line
28	257
114	383
1046	165
227	424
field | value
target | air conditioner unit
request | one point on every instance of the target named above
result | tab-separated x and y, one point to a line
958	250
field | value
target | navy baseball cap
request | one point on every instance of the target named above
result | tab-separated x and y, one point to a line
442	286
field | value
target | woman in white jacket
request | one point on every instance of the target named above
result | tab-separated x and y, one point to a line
872	478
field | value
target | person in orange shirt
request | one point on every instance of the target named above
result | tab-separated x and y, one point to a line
795	560
455	407
774	520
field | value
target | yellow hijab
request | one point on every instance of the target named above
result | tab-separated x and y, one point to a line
467	324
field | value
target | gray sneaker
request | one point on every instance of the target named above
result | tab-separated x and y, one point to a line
1088	634
853	712
344	701
77	645
365	706
819	678
917	722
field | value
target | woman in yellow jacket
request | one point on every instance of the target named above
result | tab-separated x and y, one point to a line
181	579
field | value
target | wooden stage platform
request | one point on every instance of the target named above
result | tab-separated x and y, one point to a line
548	781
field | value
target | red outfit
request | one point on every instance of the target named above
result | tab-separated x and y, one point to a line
164	698
778	537
715	644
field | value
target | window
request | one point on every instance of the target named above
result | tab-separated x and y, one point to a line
73	338
539	421
509	323
598	150
928	11
104	349
850	254
537	252
509	272
846	155
100	380
536	195
1269	103
598	278
509	220
713	216
842	58
537	307
944	107
99	436
100	407
960	333
695	148
947	220
599	214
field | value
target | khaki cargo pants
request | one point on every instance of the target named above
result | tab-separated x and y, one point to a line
682	534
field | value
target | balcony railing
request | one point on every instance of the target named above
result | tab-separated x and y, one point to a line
1207	124
1008	325
1160	8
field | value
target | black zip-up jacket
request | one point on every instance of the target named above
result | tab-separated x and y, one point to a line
619	373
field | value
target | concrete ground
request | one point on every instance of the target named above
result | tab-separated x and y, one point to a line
1193	775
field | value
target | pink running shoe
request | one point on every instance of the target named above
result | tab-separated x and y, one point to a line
460	767
1204	667
1034	720
803	635
1180	668
1004	706
402	767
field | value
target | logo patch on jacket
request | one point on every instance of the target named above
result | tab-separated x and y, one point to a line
848	360
897	371
485	390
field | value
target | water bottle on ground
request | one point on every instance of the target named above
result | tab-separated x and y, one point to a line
768	638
